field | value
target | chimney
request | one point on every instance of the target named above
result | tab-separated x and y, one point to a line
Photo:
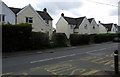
99	22
45	10
62	14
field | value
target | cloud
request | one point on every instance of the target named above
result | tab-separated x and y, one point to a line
55	7
114	12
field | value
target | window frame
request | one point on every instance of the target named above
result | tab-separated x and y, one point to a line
29	20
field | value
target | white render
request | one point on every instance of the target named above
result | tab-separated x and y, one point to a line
102	29
62	26
9	15
82	29
38	24
113	30
94	24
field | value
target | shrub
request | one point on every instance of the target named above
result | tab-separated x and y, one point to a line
15	37
77	39
59	39
99	38
39	40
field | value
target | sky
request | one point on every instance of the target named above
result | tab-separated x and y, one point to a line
105	11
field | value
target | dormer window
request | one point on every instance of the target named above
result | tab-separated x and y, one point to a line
29	20
47	21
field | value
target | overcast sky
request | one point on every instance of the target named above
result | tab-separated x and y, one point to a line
105	11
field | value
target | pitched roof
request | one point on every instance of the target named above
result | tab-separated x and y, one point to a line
44	15
74	21
70	20
90	19
15	10
108	26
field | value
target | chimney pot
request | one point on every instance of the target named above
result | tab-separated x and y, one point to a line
45	10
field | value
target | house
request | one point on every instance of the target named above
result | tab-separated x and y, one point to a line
6	15
41	21
94	28
69	25
107	28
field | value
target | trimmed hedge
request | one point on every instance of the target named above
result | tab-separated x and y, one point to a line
16	37
99	38
59	40
39	40
77	39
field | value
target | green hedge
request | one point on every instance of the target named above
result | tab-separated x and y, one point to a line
77	39
59	40
16	37
39	40
99	38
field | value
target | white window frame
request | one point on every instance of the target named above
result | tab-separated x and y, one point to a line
86	26
29	20
2	18
47	21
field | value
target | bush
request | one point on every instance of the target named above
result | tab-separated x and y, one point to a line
59	39
77	39
39	40
15	37
99	38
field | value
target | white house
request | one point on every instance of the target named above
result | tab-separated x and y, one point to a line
70	25
94	27
41	21
107	28
6	15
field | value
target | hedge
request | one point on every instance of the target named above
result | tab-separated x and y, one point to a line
77	39
59	40
39	40
99	38
16	37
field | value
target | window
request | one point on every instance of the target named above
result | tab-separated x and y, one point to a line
93	27
72	26
47	21
85	26
2	18
29	19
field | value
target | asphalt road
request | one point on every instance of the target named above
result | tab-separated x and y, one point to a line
80	60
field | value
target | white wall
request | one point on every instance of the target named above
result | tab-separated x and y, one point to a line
82	29
9	15
38	23
62	27
96	30
113	30
102	29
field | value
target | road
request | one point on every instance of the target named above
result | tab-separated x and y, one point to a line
80	60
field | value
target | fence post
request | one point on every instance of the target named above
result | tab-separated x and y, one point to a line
116	62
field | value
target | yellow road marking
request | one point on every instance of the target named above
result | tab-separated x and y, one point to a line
8	73
95	61
66	69
80	70
58	66
91	72
110	62
104	61
88	58
24	73
57	69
